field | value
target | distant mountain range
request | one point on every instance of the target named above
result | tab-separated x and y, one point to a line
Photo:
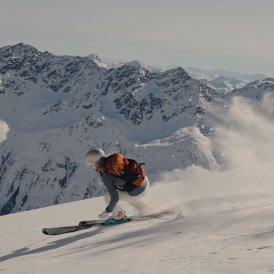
57	107
211	74
220	79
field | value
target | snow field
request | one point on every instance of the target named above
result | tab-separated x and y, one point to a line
233	235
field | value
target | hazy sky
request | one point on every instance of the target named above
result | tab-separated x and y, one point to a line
231	34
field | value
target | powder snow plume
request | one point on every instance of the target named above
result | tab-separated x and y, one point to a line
244	146
4	129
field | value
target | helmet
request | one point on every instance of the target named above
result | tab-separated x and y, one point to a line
93	156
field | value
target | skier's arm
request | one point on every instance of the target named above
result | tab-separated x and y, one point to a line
114	196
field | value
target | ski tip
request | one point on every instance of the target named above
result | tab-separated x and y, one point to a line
45	231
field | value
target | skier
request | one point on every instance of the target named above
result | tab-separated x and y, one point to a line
124	179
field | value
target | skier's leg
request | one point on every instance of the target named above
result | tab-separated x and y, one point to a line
141	207
118	212
136	201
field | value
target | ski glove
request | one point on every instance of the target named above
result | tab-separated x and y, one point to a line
104	215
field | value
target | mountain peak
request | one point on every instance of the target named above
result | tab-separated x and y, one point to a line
259	83
178	72
133	63
97	60
19	50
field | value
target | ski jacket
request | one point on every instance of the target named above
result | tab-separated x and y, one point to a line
131	173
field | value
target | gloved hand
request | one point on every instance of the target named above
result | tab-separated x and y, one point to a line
104	215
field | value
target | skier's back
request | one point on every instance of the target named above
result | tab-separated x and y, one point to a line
124	179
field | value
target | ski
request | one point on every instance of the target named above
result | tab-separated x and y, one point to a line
62	230
91	223
68	229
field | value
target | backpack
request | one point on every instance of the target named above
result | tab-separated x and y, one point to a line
127	169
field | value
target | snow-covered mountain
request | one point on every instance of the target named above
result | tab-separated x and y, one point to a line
220	79
211	74
226	84
255	90
224	80
57	107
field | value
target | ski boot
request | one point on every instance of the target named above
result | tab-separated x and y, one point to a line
112	221
118	218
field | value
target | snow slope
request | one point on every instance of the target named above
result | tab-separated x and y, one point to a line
222	231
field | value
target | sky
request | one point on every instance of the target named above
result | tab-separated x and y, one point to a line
235	34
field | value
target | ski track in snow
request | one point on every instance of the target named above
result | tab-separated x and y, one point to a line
225	240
